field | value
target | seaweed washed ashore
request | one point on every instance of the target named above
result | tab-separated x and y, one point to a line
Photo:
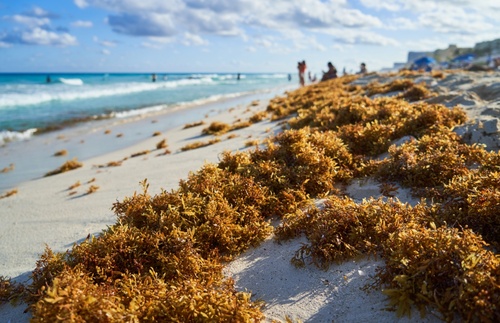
164	257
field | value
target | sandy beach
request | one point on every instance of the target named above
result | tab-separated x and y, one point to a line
45	211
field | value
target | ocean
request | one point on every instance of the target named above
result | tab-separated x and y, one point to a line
72	112
35	103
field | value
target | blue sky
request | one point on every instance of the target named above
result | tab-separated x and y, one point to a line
232	35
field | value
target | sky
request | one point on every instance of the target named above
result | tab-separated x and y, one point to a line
233	35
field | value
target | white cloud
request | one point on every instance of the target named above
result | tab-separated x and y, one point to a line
401	23
131	6
82	24
105	51
454	21
144	24
4	45
431	5
355	18
40	12
157	42
162	40
264	42
30	22
81	3
355	37
390	5
39	36
228	17
205	21
105	43
191	39
36	30
426	44
272	44
368	22
152	45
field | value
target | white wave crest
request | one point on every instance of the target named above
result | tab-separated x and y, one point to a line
138	112
273	76
36	94
71	81
157	108
8	136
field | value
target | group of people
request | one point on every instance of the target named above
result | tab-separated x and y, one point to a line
331	72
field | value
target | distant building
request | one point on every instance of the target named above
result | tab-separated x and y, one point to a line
483	53
440	55
486	48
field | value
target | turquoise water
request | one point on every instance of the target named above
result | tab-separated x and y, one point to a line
29	104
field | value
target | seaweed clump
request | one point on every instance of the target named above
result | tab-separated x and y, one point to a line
446	267
161	260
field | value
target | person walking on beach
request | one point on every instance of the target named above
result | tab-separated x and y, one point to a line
302	72
330	74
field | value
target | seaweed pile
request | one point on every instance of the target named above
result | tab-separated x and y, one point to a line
163	258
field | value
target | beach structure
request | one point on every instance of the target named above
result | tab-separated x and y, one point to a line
426	63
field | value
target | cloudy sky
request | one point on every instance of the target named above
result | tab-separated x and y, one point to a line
232	35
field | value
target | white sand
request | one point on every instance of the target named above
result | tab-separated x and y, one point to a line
42	213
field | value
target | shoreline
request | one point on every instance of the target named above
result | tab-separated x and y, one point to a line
25	104
84	141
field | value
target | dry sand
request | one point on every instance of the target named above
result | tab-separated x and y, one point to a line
43	212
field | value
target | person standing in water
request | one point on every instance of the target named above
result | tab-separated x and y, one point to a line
153	77
302	72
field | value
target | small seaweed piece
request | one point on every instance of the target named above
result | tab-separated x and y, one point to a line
92	189
111	164
10	291
257	117
194	124
200	144
67	166
140	153
7	169
75	185
162	144
216	128
9	193
63	152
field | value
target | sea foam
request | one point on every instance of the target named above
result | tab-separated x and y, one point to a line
35	94
8	136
